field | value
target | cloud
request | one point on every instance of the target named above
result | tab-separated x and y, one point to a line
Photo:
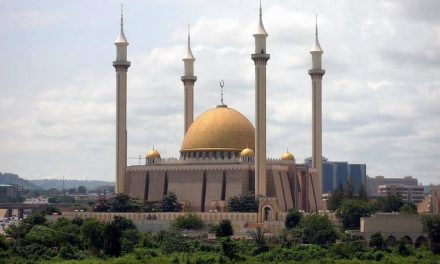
380	90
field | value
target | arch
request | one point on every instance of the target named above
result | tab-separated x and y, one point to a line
267	213
391	241
407	239
421	241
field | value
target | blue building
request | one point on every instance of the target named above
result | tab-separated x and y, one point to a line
337	173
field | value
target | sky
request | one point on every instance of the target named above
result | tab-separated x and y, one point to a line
381	90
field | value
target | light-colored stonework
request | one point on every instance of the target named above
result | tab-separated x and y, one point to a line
394	226
222	154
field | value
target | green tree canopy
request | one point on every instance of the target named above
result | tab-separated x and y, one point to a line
247	202
431	225
390	203
293	218
350	212
188	221
170	204
318	229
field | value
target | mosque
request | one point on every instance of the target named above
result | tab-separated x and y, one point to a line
222	154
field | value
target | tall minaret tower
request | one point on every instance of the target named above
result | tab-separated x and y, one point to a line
121	65
260	58
188	80
316	73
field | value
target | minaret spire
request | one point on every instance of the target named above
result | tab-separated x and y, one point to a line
121	39
260	58
188	80
121	65
316	73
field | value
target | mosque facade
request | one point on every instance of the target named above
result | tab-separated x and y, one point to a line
222	154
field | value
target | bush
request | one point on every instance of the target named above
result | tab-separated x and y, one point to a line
188	221
224	229
348	249
145	253
229	249
376	241
403	248
317	229
243	203
68	251
172	241
293	218
36	252
351	211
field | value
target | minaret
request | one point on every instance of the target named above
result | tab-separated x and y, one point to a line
260	58
188	80
316	73
121	65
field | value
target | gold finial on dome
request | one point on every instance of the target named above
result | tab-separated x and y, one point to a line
153	154
247	152
287	156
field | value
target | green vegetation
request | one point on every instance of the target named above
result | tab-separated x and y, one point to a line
293	218
188	221
90	241
247	202
224	228
123	203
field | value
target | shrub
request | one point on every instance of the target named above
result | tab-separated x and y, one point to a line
145	253
188	221
68	251
229	249
243	203
172	241
376	241
318	229
293	218
224	229
403	248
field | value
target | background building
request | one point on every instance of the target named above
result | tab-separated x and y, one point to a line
373	183
410	193
337	173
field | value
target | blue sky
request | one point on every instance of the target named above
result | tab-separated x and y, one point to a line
380	91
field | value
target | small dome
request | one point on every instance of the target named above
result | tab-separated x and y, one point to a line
153	154
247	152
287	156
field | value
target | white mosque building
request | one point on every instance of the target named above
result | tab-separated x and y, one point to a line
222	154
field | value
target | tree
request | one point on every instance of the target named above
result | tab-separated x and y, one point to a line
335	199
247	202
92	234
170	204
362	195
390	203
318	229
188	221
117	234
293	218
376	241
42	235
351	211
431	225
71	191
349	189
224	229
81	190
102	205
408	208
123	203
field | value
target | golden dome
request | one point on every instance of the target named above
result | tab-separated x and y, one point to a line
247	152
219	128
287	156
153	154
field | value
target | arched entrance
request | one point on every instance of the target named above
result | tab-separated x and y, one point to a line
421	241
267	213
391	241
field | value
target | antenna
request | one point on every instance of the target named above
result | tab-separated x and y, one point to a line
222	83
